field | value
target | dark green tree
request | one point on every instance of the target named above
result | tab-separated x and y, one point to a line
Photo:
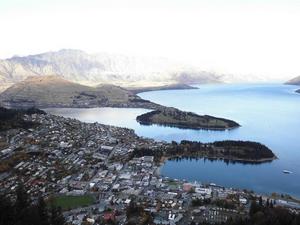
22	201
253	208
42	211
56	217
21	206
260	201
6	211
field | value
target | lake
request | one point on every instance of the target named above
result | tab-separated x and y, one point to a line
268	113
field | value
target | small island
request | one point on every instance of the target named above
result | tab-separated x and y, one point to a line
233	151
172	117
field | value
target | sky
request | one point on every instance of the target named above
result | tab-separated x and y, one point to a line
243	37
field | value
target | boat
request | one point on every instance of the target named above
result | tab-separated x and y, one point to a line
287	171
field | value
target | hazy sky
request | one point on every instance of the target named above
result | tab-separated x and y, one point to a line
241	37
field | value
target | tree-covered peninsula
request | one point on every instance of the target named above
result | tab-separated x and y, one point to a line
167	116
243	151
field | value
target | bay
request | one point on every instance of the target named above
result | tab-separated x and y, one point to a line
268	113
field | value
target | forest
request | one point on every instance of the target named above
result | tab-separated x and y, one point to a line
233	150
267	214
25	211
13	118
172	117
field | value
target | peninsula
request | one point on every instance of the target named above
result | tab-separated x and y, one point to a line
173	117
176	86
242	151
54	91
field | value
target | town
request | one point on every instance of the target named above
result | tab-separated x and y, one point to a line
90	170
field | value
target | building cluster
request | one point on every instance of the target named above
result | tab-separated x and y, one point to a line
66	157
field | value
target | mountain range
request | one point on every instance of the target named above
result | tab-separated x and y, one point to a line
122	70
91	69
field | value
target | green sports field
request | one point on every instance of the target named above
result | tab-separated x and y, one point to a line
72	202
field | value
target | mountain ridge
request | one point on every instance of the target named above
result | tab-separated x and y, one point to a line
92	69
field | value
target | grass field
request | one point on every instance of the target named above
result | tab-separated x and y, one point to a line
71	202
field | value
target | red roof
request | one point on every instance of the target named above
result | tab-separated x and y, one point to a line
109	216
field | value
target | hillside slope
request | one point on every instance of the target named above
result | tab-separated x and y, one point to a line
54	91
294	81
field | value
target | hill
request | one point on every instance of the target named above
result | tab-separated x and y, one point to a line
90	69
294	81
54	91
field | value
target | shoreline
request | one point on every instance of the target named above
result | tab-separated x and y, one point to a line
275	195
245	152
187	127
232	159
165	158
172	117
166	116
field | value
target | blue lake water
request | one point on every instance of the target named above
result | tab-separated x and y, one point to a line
268	113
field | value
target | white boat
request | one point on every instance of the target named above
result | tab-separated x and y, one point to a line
287	171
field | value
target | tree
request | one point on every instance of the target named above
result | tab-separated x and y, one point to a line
260	201
56	216
132	209
42	211
271	204
25	212
6	211
253	208
22	201
21	206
